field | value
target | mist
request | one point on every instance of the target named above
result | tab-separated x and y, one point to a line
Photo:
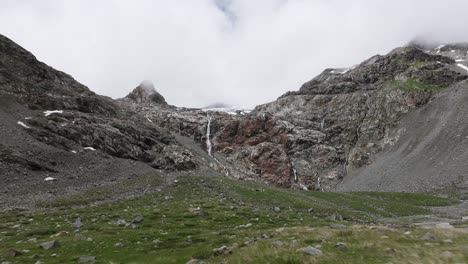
239	52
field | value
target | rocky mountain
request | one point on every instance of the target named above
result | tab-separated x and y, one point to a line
393	122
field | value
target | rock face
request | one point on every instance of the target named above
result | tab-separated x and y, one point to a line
146	93
346	129
333	126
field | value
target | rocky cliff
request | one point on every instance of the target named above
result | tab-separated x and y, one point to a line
346	129
334	125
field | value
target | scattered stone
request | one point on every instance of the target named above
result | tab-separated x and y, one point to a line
35	256
245	226
195	261
224	250
309	250
447	241
338	226
39	262
120	222
77	224
265	236
119	245
198	211
279	230
32	240
61	234
50	245
138	219
407	233
444	226
341	246
428	237
276	209
447	255
12	253
156	241
277	244
85	259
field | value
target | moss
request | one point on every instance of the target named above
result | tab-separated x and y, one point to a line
412	84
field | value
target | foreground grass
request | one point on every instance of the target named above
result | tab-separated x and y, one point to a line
236	212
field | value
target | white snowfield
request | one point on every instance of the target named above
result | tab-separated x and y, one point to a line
23	124
462	66
90	148
230	110
49	112
50	179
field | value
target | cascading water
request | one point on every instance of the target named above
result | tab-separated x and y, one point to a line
319	184
322	124
208	135
294	171
296	180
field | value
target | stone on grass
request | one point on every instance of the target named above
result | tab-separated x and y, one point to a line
337	226
277	244
341	246
276	209
85	259
50	245
309	250
77	224
61	234
195	261
428	237
224	250
120	222
119	245
447	255
138	219
12	253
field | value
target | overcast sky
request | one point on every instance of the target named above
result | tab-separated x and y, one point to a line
243	52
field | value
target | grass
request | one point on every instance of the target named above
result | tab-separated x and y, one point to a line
411	84
237	211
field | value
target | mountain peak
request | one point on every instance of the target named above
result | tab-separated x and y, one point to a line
146	93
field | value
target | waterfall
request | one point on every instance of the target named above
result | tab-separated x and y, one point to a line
294	171
296	180
319	184
208	135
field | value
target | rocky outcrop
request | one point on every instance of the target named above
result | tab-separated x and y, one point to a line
67	115
145	93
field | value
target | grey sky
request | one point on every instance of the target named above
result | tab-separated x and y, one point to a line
197	52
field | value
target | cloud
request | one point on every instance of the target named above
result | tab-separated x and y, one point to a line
240	52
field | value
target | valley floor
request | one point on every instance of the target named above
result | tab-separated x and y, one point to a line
188	217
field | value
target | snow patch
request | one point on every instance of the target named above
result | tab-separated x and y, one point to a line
90	148
459	60
462	66
49	112
73	151
50	179
22	124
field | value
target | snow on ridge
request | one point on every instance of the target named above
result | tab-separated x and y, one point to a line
462	66
230	110
23	124
49	112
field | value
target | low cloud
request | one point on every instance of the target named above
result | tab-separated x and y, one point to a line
241	52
